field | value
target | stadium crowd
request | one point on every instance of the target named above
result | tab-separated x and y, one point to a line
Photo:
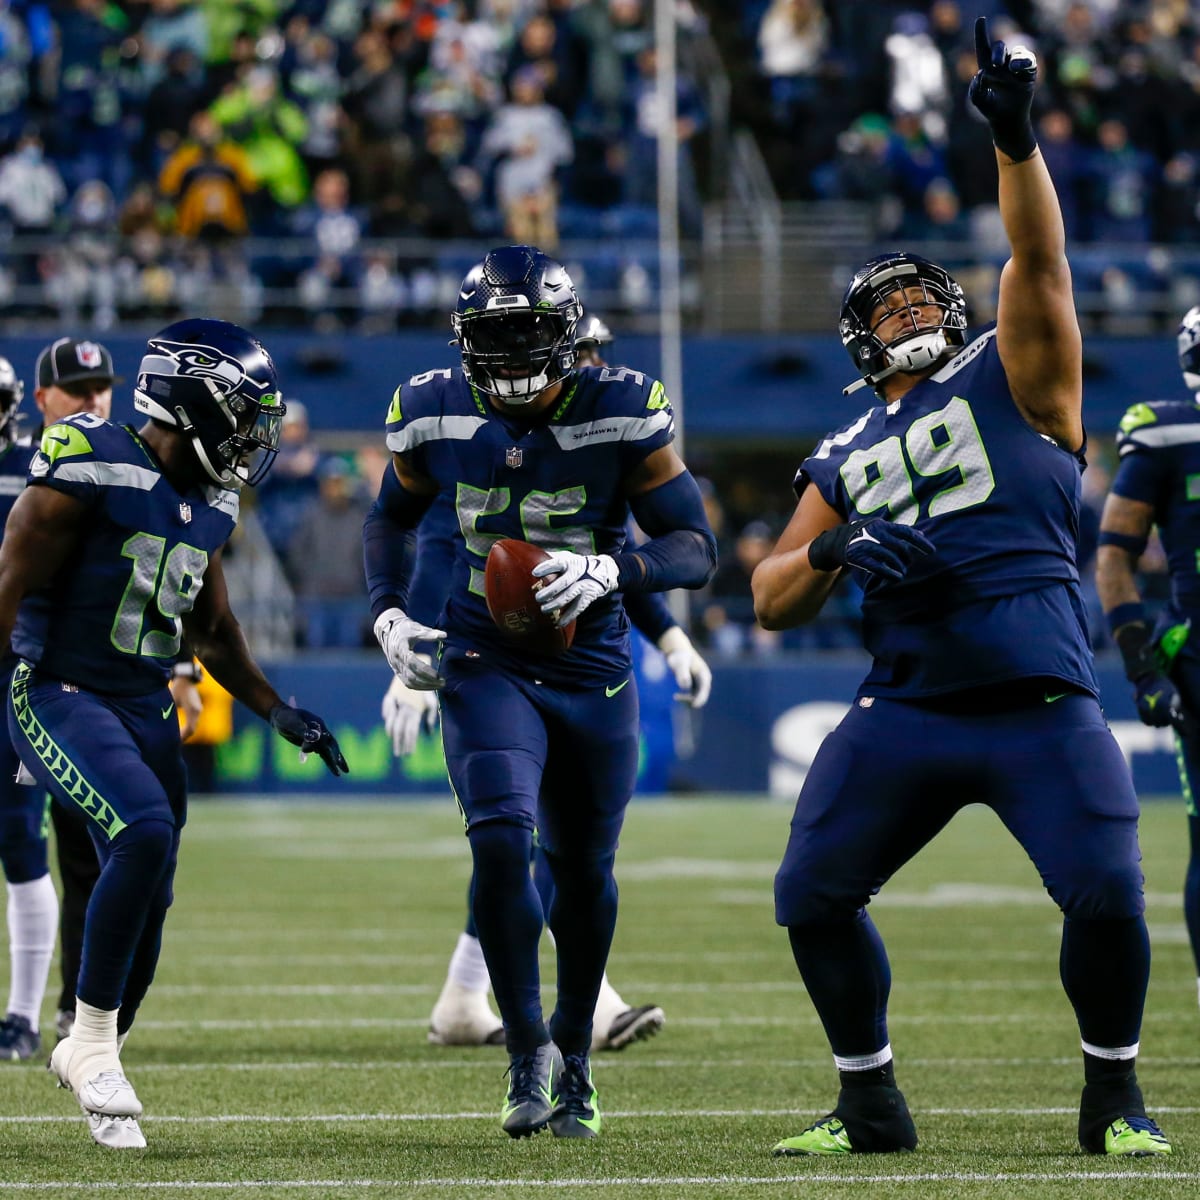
247	149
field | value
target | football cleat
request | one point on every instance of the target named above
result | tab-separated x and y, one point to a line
116	1133
867	1120
576	1107
1135	1137
462	1017
18	1039
93	1073
529	1103
629	1026
826	1136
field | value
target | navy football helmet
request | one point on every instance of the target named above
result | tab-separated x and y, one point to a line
1189	349
591	334
12	392
923	345
216	384
515	323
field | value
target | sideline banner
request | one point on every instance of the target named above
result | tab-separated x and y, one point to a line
758	733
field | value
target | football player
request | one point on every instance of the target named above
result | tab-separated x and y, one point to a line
73	376
1155	485
530	448
955	501
461	1015
110	553
24	820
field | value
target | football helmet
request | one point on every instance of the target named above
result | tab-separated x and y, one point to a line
12	392
515	322
217	385
922	346
592	333
1189	349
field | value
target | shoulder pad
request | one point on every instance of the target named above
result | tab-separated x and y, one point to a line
432	406
1135	416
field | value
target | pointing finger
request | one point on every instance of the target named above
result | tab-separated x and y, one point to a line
983	52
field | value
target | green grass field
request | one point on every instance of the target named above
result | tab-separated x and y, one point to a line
282	1051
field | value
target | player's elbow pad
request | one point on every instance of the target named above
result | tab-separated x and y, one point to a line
682	551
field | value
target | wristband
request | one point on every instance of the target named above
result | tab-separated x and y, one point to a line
188	669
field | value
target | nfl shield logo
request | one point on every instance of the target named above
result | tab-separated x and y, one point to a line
513	456
88	354
185	512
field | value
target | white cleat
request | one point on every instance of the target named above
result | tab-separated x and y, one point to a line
93	1073
116	1133
628	1026
462	1017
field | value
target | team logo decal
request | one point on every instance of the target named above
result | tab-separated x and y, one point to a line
89	355
514	456
185	512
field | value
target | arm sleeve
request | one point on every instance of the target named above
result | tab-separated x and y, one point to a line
649	614
387	542
681	552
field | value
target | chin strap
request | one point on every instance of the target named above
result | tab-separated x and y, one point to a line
913	354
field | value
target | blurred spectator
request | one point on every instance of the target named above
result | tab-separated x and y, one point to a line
792	40
528	141
444	187
210	180
1066	160
376	105
1121	184
643	121
326	285
172	27
15	56
324	562
727	618
170	105
540	47
291	484
940	219
315	83
918	74
31	192
269	128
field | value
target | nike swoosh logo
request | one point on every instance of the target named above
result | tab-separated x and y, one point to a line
1051	699
62	441
166	712
610	692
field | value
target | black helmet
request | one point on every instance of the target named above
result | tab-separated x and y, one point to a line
515	323
913	351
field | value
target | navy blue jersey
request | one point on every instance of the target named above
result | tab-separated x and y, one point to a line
110	619
555	482
1159	445
999	598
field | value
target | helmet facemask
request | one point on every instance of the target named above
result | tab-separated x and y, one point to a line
1189	350
515	355
12	392
896	287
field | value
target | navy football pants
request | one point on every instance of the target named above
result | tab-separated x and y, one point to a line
117	760
564	760
24	816
892	775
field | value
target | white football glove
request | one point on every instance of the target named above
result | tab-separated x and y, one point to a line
405	712
691	672
397	633
579	580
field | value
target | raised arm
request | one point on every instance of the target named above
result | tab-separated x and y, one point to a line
1037	333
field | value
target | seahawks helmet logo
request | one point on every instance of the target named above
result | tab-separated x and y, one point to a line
186	358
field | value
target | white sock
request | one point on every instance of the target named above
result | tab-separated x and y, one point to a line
467	967
95	1025
32	929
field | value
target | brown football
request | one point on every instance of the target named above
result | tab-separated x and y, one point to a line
511	592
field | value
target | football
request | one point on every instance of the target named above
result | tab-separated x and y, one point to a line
511	592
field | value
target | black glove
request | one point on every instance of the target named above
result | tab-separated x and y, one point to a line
309	732
1002	90
879	546
1157	698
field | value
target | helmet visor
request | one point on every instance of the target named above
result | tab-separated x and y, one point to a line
251	453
